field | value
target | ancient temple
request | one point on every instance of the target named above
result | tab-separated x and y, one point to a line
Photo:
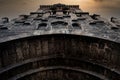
59	42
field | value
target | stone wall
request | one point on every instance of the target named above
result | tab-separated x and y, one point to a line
69	54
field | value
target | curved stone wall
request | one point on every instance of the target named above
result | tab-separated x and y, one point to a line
61	57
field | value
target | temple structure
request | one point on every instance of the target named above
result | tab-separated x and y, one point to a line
59	42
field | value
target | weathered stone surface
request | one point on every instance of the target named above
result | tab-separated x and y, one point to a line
89	25
64	50
59	42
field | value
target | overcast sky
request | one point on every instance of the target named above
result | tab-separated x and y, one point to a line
13	8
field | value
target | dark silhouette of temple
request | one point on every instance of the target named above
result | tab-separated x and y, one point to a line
59	42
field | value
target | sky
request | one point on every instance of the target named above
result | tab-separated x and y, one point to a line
14	8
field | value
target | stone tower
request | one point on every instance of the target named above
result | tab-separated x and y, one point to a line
59	42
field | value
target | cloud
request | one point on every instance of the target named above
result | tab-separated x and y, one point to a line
99	0
16	7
